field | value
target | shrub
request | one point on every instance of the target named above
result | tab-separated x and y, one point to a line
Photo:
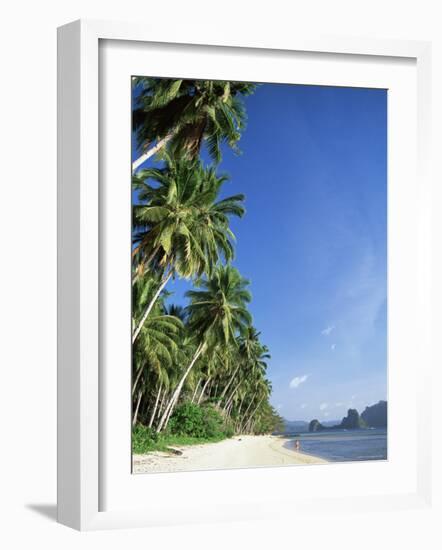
187	419
213	422
229	430
192	420
143	439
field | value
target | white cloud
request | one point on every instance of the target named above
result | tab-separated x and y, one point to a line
327	330
326	413
303	405
298	380
339	404
333	347
323	406
279	407
353	397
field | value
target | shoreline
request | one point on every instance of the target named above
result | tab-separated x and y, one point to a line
246	451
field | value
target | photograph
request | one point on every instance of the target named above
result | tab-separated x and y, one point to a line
258	274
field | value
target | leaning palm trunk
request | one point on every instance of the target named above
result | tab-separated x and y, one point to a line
150	306
137	380
171	409
162	404
240	404
242	425
202	391
196	390
227	386
216	389
169	414
228	410
238	414
232	395
248	423
150	153
177	392
155	406
134	421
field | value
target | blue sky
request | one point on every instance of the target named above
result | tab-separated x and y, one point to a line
313	243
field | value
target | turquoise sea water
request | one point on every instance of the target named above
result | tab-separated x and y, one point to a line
344	445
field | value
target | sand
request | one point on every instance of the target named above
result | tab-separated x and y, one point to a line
238	452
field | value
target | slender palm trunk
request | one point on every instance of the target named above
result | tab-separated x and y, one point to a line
155	406
196	390
240	403
170	413
232	395
150	306
177	392
162	403
152	151
202	391
243	425
253	413
171	409
249	405
137	379
216	389
228	385
237	424
134	421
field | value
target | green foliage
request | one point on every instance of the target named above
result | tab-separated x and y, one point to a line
229	428
208	352
189	425
219	310
189	112
144	439
187	419
213	422
268	420
193	420
179	221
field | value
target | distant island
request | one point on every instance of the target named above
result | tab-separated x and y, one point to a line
374	416
301	426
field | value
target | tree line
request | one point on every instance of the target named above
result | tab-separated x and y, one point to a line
207	353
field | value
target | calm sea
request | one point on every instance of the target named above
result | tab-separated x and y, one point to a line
343	445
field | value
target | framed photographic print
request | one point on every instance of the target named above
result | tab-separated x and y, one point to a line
313	257
243	280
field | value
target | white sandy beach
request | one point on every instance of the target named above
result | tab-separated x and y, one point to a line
238	452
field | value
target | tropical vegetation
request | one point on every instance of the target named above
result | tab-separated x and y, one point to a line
199	370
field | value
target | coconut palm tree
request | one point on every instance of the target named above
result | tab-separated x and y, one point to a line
157	348
183	113
212	364
249	373
180	226
247	352
154	355
217	313
261	395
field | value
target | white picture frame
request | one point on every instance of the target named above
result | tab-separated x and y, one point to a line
81	470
